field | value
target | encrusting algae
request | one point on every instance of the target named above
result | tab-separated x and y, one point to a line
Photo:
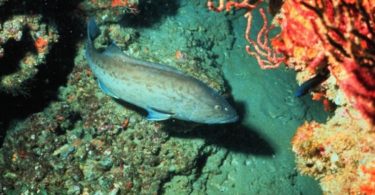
85	142
36	38
336	152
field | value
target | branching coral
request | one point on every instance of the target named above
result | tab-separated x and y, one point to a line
266	56
337	35
260	48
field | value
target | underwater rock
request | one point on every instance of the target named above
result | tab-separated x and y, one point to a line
24	44
2	2
83	141
110	10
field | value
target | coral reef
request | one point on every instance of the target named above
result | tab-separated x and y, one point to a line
339	153
84	142
316	36
37	37
88	143
260	48
110	11
333	37
34	35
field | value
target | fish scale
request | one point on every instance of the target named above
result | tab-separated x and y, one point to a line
162	90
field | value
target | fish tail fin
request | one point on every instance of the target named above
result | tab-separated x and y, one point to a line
92	29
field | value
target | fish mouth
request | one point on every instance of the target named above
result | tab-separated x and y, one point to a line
230	120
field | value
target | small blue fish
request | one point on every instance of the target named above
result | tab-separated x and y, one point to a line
162	90
310	84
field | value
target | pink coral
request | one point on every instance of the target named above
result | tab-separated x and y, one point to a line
260	48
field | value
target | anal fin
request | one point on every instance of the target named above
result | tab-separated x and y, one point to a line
157	115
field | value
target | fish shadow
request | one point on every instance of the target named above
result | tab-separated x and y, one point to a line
235	137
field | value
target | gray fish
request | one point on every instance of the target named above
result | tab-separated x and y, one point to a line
162	90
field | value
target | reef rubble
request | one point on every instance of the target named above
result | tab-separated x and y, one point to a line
34	38
82	141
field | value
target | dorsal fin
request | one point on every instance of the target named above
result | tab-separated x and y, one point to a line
113	49
92	29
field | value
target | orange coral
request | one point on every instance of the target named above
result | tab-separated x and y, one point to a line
339	153
119	3
41	44
336	35
368	186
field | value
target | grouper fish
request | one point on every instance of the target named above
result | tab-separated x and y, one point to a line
163	91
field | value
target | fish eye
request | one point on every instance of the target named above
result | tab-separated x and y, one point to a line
217	107
226	109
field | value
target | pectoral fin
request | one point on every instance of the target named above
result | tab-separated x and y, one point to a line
106	90
157	115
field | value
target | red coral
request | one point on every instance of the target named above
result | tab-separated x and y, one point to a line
41	44
119	3
337	35
368	187
341	31
348	27
261	49
228	5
